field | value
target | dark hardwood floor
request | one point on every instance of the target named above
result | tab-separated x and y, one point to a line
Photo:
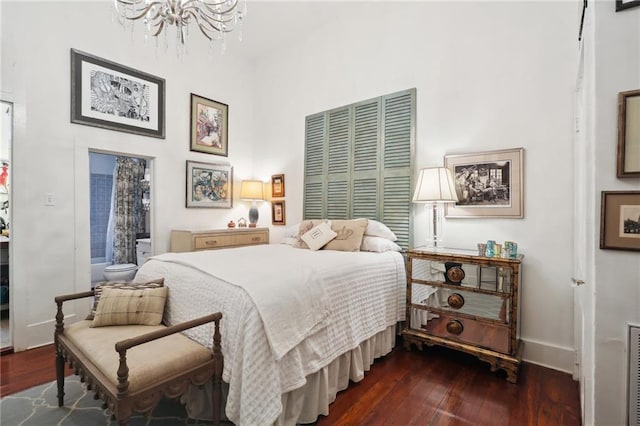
434	387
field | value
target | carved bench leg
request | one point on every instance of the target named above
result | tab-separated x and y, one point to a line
60	377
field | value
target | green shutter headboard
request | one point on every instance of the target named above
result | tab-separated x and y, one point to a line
359	162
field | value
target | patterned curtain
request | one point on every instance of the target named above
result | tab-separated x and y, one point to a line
127	207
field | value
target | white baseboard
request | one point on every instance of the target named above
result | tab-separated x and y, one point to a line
560	358
40	334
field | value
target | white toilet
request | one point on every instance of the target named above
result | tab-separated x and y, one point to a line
122	272
127	271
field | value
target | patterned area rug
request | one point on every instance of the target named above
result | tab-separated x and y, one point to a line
38	406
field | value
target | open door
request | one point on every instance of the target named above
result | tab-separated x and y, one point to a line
6	337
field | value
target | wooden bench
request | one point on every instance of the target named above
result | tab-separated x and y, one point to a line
132	367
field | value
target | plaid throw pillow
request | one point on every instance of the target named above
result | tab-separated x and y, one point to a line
129	307
124	285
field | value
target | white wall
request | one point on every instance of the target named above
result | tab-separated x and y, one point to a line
617	292
488	76
51	245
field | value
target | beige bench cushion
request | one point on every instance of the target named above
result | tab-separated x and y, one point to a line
148	363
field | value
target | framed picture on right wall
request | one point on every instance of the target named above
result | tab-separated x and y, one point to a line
620	220
629	134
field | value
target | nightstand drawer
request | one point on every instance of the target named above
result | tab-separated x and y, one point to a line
459	300
474	332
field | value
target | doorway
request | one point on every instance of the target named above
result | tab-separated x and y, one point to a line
120	212
6	139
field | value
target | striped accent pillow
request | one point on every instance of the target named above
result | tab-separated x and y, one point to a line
125	285
129	307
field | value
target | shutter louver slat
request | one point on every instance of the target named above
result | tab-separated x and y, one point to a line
314	200
365	198
397	131
337	200
397	207
339	141
314	150
366	137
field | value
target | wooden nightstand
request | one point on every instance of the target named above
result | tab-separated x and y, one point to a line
191	240
466	302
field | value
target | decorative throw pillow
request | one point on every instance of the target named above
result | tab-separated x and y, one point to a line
350	233
129	307
306	226
378	244
125	285
318	236
379	229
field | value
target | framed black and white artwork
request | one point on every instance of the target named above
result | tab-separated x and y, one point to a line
488	184
115	97
626	4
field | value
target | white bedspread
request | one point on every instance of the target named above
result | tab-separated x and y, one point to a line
292	301
365	294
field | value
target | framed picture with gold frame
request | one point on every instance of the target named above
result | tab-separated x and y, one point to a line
209	126
278	213
628	134
277	186
620	220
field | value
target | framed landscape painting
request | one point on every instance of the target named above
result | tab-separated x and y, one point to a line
209	185
115	97
209	126
488	184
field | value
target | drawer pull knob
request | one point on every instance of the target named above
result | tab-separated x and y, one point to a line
455	301
455	327
211	242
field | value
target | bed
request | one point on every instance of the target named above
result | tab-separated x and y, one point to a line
298	324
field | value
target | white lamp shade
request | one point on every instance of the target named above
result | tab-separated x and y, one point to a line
252	190
435	185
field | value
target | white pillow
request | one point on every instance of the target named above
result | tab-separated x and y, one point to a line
378	244
379	229
291	231
289	241
318	236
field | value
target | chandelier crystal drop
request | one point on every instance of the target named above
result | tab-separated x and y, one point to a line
214	18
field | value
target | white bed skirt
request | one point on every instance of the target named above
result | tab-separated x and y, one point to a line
305	404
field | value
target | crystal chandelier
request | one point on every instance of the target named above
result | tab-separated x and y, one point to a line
214	18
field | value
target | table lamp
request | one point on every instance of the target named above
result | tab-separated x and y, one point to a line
435	188
252	190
